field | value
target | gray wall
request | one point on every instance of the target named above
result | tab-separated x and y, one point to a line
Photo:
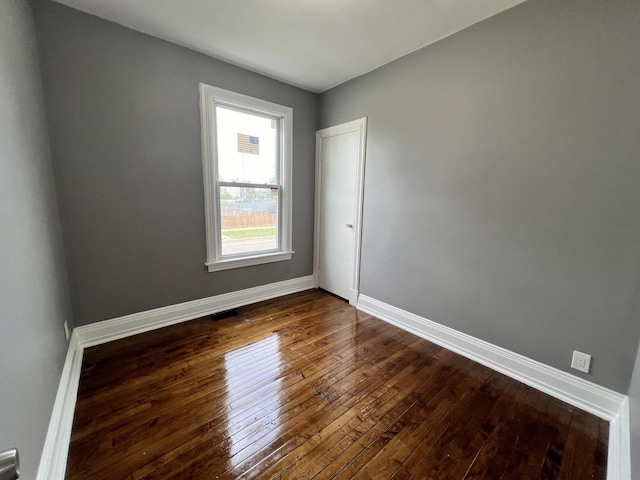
125	131
34	299
504	165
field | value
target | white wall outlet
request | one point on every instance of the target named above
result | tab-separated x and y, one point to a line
581	361
66	330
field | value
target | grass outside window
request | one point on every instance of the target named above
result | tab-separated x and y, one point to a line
238	233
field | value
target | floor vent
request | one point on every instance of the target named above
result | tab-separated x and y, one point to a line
226	314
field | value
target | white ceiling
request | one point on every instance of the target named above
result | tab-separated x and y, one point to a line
312	44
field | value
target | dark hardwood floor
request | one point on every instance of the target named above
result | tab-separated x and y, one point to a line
307	387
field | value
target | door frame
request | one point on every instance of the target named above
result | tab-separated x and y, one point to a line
359	126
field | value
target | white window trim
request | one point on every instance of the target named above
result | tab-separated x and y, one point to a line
210	97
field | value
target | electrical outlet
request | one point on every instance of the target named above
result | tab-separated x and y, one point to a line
581	361
66	330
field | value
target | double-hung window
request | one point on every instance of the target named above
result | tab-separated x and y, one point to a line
246	158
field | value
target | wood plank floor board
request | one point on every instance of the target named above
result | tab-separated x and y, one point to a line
353	456
403	387
436	431
318	459
450	391
463	422
538	432
305	386
362	421
200	391
531	442
133	371
283	417
463	449
369	400
601	450
582	439
553	458
505	437
233	475
382	375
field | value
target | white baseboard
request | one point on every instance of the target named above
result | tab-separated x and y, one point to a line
53	461
580	393
619	461
600	401
128	325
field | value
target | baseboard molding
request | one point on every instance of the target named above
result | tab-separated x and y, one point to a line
619	460
53	461
580	393
128	325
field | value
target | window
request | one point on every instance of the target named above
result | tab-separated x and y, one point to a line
246	159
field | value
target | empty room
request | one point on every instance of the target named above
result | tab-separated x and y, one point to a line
321	239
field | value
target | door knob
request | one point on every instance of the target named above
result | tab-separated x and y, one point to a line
349	225
9	464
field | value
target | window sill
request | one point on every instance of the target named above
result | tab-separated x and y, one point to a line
248	261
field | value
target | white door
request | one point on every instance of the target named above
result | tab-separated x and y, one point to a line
339	189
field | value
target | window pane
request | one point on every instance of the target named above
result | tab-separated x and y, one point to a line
247	147
249	219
